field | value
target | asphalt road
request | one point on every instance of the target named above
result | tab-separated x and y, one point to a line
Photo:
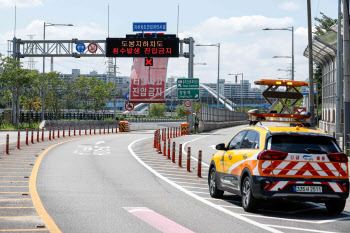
118	183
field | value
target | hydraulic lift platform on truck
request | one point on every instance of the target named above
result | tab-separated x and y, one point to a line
274	96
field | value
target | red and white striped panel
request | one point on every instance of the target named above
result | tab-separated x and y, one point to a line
282	184
313	169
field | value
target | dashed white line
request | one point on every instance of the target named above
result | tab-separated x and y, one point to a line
301	229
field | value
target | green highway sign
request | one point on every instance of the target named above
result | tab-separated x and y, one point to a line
187	94
188	83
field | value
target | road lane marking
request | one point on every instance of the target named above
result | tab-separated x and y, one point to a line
17	207
301	229
25	230
156	220
20	216
184	152
229	206
238	216
189	183
16	199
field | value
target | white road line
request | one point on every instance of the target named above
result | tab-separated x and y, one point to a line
169	176
228	206
199	192
192	187
225	200
284	219
181	171
190	178
333	220
184	152
301	229
178	182
235	215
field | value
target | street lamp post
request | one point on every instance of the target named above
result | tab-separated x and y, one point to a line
218	94
287	29
44	46
241	89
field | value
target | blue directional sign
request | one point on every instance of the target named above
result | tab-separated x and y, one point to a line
127	96
80	47
149	27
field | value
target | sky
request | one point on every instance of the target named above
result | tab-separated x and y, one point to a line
236	25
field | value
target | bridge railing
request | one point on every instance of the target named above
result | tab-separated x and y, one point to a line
221	115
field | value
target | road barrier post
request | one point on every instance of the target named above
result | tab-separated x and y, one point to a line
50	134
173	155
168	133
74	130
32	138
27	137
199	172
116	128
64	131
164	148
174	132
53	132
168	157
180	155
171	132
7	144
79	129
58	131
154	139
42	134
108	129
104	128
85	129
100	129
19	140
37	136
94	128
90	129
159	144
112	129
188	159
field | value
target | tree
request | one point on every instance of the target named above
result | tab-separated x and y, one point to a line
53	92
158	110
18	80
324	25
99	92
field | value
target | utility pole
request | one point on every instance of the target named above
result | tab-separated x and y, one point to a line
346	47
218	97
339	78
190	75
311	71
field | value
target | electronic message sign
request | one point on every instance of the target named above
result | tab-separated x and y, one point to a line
162	46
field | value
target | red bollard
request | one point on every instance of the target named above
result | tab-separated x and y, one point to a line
42	134
94	129
168	157
173	132
50	134
79	130
7	145
199	172
173	155
188	159
90	129
112	128
69	130
53	132
74	131
168	133
58	131
164	148
85	129
154	139
27	137
104	128
100	129
180	155
19	140
63	132
108	129
37	136
32	138
159	145
116	128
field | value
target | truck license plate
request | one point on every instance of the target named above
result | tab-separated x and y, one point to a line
308	189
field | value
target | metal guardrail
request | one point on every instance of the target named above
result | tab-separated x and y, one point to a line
142	120
221	115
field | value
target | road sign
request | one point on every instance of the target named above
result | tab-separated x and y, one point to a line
187	103
199	110
127	96
188	83
305	90
299	110
187	112
129	106
160	46
149	61
92	48
80	47
147	27
187	94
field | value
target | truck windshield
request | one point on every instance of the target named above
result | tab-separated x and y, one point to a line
303	144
